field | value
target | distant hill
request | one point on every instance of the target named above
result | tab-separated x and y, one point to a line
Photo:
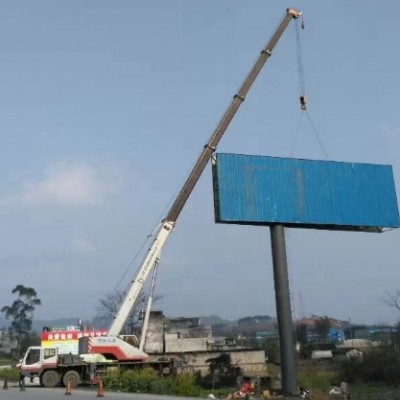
310	322
255	320
244	326
38	324
249	325
220	324
213	320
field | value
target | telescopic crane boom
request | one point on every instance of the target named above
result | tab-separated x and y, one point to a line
169	222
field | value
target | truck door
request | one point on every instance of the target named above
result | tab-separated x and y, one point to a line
32	361
32	357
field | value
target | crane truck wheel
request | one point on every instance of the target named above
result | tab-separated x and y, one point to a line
73	377
50	379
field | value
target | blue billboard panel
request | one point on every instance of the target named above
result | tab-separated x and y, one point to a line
259	190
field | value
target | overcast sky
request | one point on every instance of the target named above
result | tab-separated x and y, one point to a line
104	107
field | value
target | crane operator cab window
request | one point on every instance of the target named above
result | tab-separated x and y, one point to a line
33	357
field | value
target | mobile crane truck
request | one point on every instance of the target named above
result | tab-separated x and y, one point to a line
98	354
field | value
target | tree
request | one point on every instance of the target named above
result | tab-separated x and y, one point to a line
222	372
322	326
21	313
110	304
272	349
392	299
301	333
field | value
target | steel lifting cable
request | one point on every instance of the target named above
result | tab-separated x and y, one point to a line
302	86
317	135
302	90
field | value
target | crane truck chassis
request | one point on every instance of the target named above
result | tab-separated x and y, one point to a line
54	369
99	355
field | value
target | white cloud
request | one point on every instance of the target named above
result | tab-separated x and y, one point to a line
81	245
67	184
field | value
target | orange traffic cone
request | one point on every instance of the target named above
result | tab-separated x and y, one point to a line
68	388
100	389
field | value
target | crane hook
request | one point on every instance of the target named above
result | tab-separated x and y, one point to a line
303	102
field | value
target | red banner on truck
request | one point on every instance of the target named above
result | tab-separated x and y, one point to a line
68	341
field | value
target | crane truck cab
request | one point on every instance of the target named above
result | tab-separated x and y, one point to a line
53	368
36	361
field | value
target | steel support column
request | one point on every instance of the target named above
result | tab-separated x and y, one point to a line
285	324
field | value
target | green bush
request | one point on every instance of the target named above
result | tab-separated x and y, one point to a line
377	365
12	374
138	380
148	381
351	370
113	380
161	386
185	385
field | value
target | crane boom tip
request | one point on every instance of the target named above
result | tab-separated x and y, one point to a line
294	13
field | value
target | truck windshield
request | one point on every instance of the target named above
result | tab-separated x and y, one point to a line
33	357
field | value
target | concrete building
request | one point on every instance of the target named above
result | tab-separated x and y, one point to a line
192	344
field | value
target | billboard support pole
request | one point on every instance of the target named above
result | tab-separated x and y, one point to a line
284	315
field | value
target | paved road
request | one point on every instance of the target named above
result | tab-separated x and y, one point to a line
36	392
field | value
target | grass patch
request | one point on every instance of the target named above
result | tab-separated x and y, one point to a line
5	361
321	380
